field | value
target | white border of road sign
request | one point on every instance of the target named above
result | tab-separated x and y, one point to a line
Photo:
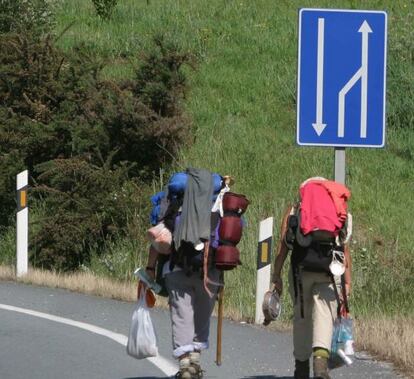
298	78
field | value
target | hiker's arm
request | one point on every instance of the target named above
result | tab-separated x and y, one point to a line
280	258
277	270
348	269
151	262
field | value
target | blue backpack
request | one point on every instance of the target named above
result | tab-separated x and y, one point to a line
176	188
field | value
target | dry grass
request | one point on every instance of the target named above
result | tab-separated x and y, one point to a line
82	282
391	339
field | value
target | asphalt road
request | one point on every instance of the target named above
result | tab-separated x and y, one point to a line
43	346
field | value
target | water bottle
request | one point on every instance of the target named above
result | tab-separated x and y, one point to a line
346	339
349	347
344	356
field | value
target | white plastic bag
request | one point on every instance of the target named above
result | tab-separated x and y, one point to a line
142	342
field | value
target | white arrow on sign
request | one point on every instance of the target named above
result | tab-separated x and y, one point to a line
365	30
362	74
319	126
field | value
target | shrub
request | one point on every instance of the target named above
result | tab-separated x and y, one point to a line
105	8
20	16
10	165
160	81
83	206
83	140
8	246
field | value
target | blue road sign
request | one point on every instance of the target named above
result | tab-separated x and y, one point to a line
341	78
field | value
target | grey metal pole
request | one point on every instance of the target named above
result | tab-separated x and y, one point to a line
340	165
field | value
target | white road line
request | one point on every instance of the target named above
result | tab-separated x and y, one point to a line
160	362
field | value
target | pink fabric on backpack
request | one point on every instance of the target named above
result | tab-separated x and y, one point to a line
339	194
318	211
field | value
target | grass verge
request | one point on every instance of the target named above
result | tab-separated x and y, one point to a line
82	282
389	338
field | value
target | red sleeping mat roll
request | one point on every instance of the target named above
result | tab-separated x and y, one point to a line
227	257
233	202
230	229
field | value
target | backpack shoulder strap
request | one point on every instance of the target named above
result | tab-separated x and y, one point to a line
287	227
346	231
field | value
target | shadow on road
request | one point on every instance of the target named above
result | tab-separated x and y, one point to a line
246	377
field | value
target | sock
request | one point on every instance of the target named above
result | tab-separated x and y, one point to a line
320	352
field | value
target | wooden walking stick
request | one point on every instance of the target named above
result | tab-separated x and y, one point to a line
219	322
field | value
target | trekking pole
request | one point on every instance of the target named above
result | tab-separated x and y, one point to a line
219	322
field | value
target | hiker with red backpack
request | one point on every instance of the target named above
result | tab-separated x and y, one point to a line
196	229
316	231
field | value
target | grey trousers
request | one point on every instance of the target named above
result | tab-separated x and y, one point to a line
190	310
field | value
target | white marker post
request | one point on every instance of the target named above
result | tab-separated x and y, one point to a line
263	265
22	224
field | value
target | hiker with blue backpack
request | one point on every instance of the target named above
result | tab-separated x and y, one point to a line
316	231
196	227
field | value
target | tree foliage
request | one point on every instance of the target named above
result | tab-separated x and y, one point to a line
85	140
27	16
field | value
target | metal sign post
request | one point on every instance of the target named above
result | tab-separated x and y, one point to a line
22	224
340	168
264	260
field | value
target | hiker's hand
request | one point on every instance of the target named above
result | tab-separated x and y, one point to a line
141	288
277	284
150	273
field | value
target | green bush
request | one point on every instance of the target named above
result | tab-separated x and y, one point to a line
105	8
85	141
34	16
160	82
8	245
83	206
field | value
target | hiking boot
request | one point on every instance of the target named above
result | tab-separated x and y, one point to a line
195	364
320	368
186	370
183	374
301	369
